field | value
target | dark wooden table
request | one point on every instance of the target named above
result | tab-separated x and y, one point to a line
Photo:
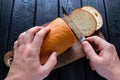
17	16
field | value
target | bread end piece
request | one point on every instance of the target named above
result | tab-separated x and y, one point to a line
59	39
96	14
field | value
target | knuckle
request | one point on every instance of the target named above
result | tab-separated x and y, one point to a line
95	36
111	46
21	49
54	61
29	31
21	35
29	51
32	29
29	57
39	34
15	42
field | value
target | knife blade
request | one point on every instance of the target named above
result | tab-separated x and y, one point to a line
72	25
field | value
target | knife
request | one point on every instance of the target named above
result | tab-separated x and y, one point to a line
76	31
72	25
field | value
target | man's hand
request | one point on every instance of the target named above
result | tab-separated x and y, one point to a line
26	63
106	63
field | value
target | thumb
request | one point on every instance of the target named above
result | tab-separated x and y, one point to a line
52	61
91	54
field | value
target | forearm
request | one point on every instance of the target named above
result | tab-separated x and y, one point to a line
11	78
115	75
14	78
17	78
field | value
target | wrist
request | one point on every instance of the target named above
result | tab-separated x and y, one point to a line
115	73
21	78
8	78
115	76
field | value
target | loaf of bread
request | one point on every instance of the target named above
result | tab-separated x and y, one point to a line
59	39
96	15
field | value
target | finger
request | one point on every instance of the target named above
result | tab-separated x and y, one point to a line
20	38
31	33
39	37
98	41
52	61
92	67
91	54
16	45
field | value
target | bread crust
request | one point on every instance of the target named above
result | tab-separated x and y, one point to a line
96	14
59	39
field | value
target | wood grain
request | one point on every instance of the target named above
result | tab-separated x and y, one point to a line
46	11
1	5
113	13
5	17
17	16
22	19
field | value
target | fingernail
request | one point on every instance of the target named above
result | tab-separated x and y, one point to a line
55	53
84	43
47	27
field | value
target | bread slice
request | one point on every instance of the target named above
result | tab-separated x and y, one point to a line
96	14
72	26
84	21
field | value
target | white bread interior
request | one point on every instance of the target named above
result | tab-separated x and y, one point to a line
84	21
72	25
96	14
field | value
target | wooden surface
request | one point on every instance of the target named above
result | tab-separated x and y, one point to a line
17	16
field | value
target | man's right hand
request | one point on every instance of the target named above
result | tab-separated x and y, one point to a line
106	63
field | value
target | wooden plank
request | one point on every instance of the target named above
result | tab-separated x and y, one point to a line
5	17
21	19
46	11
69	6
1	5
113	16
75	70
99	5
